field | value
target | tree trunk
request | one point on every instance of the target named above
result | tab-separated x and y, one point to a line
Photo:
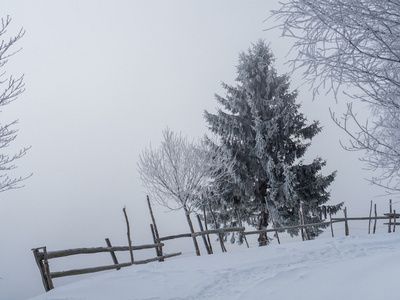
263	238
189	220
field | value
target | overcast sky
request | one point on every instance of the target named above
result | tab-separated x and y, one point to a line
103	79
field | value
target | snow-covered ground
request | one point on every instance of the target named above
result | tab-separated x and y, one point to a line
357	267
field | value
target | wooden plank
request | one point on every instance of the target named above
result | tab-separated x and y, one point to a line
109	267
289	227
88	270
113	256
205	232
370	219
204	236
346	224
158	250
220	235
47	268
128	233
41	268
206	226
389	215
330	217
359	218
145	261
155	229
171	237
220	230
376	214
390	220
68	252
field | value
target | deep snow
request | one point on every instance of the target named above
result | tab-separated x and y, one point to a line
358	267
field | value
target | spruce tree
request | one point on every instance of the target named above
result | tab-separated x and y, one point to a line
261	129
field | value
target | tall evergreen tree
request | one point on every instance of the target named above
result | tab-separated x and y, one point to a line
266	136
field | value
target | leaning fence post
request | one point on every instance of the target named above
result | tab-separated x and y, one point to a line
128	234
157	236
206	226
47	268
220	235
158	251
346	225
113	256
203	236
43	268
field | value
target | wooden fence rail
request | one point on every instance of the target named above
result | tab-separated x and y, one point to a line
42	256
68	252
289	227
204	232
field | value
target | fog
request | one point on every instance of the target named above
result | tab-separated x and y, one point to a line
103	79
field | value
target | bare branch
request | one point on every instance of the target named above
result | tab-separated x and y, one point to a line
354	43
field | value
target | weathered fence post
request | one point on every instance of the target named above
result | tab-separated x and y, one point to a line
44	268
301	227
113	256
241	225
156	241
128	234
376	215
220	235
330	217
346	225
203	236
206	226
390	216
156	235
394	219
370	220
305	234
276	232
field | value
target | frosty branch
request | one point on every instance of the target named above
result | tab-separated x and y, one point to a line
11	88
178	173
355	44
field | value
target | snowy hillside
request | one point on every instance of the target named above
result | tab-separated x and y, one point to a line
358	267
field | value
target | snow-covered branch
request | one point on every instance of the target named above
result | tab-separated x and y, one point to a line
353	43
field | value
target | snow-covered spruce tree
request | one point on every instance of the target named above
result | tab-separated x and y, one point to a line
266	136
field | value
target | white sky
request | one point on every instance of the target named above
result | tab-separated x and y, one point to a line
103	79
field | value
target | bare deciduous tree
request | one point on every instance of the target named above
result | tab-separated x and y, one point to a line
11	88
178	172
355	43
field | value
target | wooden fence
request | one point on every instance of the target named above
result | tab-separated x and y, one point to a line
42	257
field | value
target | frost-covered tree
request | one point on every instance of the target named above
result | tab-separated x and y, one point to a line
266	136
179	172
10	89
354	43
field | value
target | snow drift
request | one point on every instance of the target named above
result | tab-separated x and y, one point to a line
359	267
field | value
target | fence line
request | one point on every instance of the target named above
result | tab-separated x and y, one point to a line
42	256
